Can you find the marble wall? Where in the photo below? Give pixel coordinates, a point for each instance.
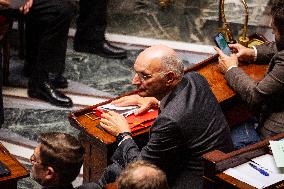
(183, 20)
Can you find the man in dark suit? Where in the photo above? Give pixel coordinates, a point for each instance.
(265, 96)
(47, 26)
(91, 26)
(57, 160)
(190, 122)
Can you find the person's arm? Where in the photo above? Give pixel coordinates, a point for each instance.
(265, 53)
(161, 148)
(253, 92)
(260, 54)
(226, 62)
(144, 103)
(244, 54)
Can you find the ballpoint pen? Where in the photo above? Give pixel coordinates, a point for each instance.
(259, 169)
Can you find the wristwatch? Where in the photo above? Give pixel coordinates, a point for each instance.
(121, 136)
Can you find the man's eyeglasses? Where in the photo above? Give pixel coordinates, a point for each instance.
(33, 160)
(143, 77)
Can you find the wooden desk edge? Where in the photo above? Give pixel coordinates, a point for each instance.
(24, 171)
(106, 140)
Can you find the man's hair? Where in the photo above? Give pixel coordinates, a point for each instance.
(64, 153)
(173, 63)
(277, 13)
(142, 175)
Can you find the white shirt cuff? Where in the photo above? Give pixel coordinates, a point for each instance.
(255, 53)
(231, 67)
(125, 138)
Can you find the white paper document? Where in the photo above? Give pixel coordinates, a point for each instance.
(260, 172)
(277, 148)
(123, 110)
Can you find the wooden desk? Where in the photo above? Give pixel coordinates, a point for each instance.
(18, 171)
(216, 162)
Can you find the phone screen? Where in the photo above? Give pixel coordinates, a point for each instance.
(222, 43)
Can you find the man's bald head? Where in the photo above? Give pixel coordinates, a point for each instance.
(142, 175)
(162, 57)
(157, 52)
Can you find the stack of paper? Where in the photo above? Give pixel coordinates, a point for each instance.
(253, 176)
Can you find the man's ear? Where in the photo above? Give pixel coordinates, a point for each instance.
(170, 77)
(50, 174)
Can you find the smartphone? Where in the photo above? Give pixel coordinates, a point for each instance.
(222, 44)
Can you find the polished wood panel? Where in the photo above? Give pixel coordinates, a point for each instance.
(208, 68)
(18, 171)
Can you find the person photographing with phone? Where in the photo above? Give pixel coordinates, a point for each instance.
(265, 96)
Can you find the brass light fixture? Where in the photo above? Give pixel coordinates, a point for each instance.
(225, 28)
(243, 38)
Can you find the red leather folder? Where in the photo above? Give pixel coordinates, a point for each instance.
(137, 122)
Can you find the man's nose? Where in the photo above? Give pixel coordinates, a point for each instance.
(136, 80)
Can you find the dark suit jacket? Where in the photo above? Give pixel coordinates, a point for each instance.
(190, 124)
(266, 96)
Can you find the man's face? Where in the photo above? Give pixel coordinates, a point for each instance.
(149, 78)
(38, 169)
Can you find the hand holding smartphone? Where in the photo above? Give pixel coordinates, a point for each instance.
(222, 44)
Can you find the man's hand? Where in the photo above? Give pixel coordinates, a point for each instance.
(114, 123)
(144, 103)
(243, 53)
(226, 62)
(26, 7)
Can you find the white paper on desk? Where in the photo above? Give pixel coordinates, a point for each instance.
(123, 110)
(247, 174)
(277, 148)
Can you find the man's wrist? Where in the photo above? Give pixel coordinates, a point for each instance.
(122, 136)
(254, 54)
(234, 66)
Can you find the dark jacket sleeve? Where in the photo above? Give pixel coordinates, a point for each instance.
(265, 52)
(162, 146)
(255, 93)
